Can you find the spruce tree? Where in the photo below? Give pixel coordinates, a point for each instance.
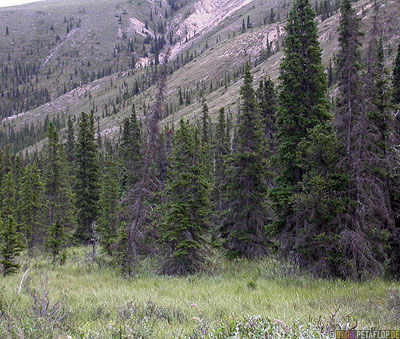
(56, 241)
(108, 204)
(130, 152)
(267, 102)
(11, 246)
(31, 204)
(122, 250)
(349, 65)
(8, 197)
(221, 153)
(206, 138)
(308, 197)
(185, 224)
(70, 144)
(7, 160)
(58, 190)
(384, 156)
(318, 205)
(303, 105)
(221, 150)
(244, 223)
(152, 172)
(87, 178)
(205, 124)
(362, 127)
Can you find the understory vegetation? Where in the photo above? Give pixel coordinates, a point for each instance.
(85, 299)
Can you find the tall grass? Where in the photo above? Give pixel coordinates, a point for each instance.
(96, 301)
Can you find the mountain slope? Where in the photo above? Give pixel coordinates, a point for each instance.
(209, 48)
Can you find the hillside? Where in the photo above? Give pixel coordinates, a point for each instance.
(99, 55)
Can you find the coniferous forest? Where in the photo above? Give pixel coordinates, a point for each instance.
(301, 186)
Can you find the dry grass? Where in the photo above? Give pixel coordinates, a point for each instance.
(98, 300)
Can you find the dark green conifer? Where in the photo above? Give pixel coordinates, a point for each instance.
(70, 145)
(349, 65)
(221, 153)
(308, 194)
(207, 138)
(130, 152)
(8, 197)
(303, 105)
(205, 124)
(108, 204)
(11, 246)
(185, 224)
(31, 204)
(87, 178)
(56, 241)
(122, 250)
(244, 223)
(58, 190)
(221, 149)
(267, 102)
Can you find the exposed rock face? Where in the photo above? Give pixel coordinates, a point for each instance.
(206, 15)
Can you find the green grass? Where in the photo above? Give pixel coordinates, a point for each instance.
(100, 302)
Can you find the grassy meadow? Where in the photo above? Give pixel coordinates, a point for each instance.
(239, 299)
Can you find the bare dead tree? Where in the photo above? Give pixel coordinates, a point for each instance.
(154, 156)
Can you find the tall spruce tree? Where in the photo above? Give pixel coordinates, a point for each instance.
(31, 204)
(87, 178)
(185, 222)
(130, 152)
(267, 102)
(11, 246)
(380, 154)
(303, 104)
(8, 197)
(349, 65)
(362, 126)
(245, 219)
(221, 151)
(59, 196)
(152, 172)
(70, 145)
(207, 138)
(108, 203)
(205, 124)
